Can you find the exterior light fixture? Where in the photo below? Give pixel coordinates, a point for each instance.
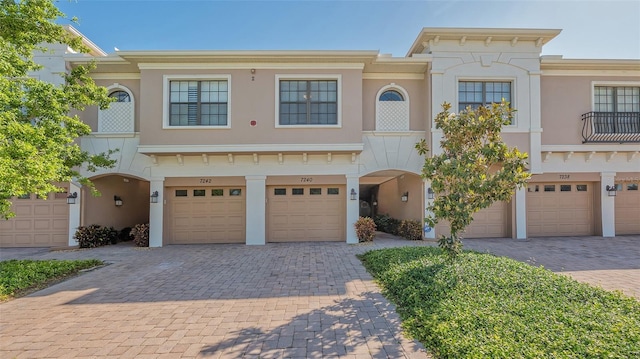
(71, 198)
(154, 197)
(611, 190)
(354, 195)
(430, 194)
(117, 200)
(405, 197)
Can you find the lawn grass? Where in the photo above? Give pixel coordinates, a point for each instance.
(18, 277)
(482, 306)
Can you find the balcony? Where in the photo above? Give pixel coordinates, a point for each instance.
(611, 127)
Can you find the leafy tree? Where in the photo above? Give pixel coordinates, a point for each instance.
(475, 169)
(37, 132)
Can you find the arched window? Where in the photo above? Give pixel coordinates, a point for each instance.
(119, 117)
(391, 95)
(392, 109)
(121, 96)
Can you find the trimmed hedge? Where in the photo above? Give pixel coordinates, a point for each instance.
(482, 306)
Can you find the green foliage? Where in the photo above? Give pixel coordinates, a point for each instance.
(37, 134)
(365, 229)
(140, 234)
(95, 236)
(475, 168)
(17, 276)
(387, 224)
(482, 306)
(410, 229)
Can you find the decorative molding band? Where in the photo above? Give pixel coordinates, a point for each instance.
(591, 148)
(252, 148)
(390, 133)
(114, 134)
(391, 76)
(248, 66)
(621, 73)
(116, 76)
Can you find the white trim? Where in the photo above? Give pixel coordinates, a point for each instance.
(622, 73)
(323, 147)
(393, 133)
(247, 66)
(607, 147)
(391, 76)
(113, 134)
(132, 111)
(166, 83)
(611, 84)
(116, 76)
(308, 77)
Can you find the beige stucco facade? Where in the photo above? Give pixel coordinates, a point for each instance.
(255, 180)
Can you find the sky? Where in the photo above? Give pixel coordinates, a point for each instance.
(604, 29)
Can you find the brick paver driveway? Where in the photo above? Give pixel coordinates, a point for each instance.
(300, 300)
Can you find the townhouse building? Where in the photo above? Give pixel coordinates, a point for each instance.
(276, 146)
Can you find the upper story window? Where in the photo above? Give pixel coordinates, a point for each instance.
(482, 93)
(120, 96)
(119, 117)
(616, 99)
(392, 109)
(198, 103)
(308, 102)
(391, 95)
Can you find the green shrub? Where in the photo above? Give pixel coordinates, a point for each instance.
(365, 229)
(140, 234)
(17, 276)
(482, 306)
(124, 235)
(95, 236)
(410, 229)
(387, 224)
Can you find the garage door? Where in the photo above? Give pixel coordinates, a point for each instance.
(490, 222)
(306, 213)
(560, 209)
(38, 222)
(628, 209)
(206, 215)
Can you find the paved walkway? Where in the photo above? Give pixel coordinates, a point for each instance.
(300, 300)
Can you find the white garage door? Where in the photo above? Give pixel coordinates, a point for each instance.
(560, 209)
(205, 215)
(490, 222)
(38, 222)
(306, 213)
(628, 209)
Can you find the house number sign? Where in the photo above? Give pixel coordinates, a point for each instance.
(306, 179)
(565, 176)
(205, 180)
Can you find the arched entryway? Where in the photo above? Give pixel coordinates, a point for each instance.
(396, 193)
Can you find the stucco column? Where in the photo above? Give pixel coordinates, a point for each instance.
(255, 220)
(535, 128)
(156, 213)
(74, 213)
(607, 204)
(353, 207)
(428, 232)
(521, 213)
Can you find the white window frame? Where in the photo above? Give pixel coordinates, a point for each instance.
(132, 111)
(166, 100)
(594, 84)
(512, 103)
(309, 77)
(405, 94)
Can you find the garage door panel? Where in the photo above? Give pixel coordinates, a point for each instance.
(627, 209)
(24, 239)
(42, 210)
(560, 213)
(41, 238)
(40, 224)
(206, 219)
(318, 217)
(22, 210)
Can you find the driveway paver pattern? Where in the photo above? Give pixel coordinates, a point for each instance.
(296, 300)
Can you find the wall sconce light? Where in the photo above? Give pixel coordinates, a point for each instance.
(405, 197)
(430, 194)
(354, 195)
(611, 190)
(71, 198)
(117, 200)
(154, 197)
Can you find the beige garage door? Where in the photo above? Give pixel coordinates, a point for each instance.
(628, 209)
(205, 215)
(38, 222)
(560, 209)
(490, 222)
(306, 213)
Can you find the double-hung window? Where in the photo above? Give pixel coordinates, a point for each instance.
(308, 102)
(482, 93)
(198, 102)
